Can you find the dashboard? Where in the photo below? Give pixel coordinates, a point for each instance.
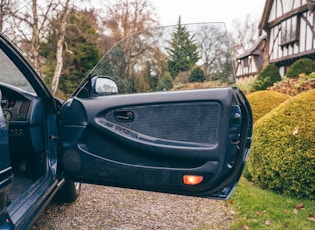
(24, 116)
(7, 103)
(15, 108)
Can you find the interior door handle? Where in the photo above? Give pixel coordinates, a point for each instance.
(124, 116)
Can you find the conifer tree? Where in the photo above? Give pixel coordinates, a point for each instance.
(183, 51)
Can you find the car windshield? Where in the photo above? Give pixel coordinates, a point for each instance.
(11, 75)
(170, 58)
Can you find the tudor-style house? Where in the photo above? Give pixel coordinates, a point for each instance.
(290, 29)
(250, 63)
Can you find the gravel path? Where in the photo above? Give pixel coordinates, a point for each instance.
(100, 207)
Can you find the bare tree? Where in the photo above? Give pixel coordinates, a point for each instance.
(7, 7)
(30, 20)
(35, 40)
(123, 18)
(126, 17)
(213, 47)
(4, 12)
(244, 36)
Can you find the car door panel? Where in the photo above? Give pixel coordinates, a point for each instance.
(151, 141)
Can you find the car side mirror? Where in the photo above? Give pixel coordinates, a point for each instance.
(103, 85)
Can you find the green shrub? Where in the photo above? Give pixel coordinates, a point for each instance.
(166, 83)
(283, 150)
(197, 75)
(264, 101)
(304, 65)
(269, 75)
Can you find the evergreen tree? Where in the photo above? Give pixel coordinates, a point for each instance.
(183, 51)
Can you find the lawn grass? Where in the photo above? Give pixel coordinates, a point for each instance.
(261, 209)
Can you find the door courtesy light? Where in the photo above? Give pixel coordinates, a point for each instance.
(192, 179)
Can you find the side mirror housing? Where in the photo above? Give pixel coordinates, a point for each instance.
(103, 85)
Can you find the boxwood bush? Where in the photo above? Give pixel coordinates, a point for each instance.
(303, 65)
(283, 150)
(269, 75)
(264, 101)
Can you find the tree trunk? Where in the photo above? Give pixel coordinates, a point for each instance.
(59, 64)
(59, 51)
(35, 40)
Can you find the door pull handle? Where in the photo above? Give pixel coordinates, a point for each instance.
(124, 116)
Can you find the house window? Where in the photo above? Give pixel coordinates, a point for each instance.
(245, 62)
(290, 31)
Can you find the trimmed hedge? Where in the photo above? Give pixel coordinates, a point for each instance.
(303, 65)
(267, 77)
(283, 150)
(262, 102)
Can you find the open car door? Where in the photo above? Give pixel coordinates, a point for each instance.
(191, 142)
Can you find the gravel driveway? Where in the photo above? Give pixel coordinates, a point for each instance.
(102, 207)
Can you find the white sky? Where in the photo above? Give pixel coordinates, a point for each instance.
(196, 11)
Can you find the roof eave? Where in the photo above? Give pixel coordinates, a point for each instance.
(265, 16)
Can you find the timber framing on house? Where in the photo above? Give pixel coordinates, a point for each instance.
(250, 63)
(289, 26)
